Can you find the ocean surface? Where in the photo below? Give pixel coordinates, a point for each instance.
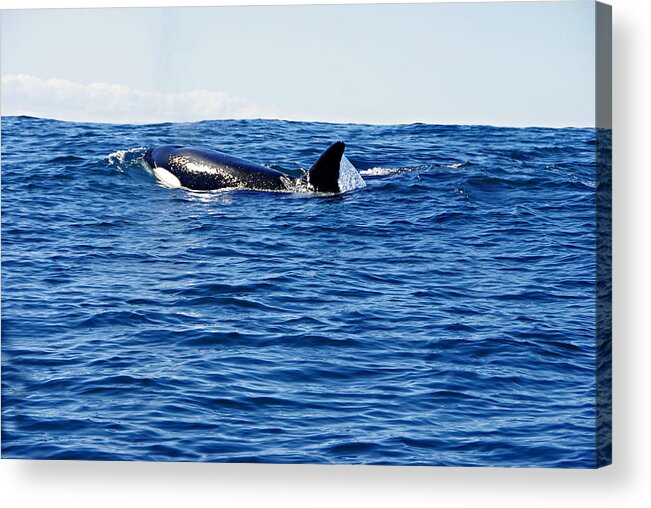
(440, 312)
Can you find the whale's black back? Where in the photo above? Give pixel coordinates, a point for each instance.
(206, 169)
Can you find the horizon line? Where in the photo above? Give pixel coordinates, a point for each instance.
(288, 120)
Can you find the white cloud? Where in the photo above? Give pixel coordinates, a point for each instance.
(23, 94)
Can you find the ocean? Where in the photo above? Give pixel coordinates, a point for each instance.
(441, 312)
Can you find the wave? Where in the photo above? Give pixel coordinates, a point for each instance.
(126, 158)
(379, 171)
(442, 314)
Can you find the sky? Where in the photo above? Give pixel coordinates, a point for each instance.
(512, 63)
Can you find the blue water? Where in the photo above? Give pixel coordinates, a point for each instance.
(444, 314)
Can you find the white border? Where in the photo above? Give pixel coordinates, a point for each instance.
(626, 483)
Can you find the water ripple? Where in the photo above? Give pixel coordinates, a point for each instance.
(443, 314)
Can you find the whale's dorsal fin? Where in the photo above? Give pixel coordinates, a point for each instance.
(324, 173)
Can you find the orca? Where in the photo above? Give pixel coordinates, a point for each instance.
(200, 169)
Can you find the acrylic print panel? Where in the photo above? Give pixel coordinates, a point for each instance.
(352, 234)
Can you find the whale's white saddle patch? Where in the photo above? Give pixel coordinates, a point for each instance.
(166, 178)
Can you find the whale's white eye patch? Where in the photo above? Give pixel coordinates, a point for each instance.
(166, 178)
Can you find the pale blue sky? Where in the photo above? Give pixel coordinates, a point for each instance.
(521, 63)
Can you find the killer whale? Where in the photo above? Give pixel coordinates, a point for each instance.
(200, 169)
